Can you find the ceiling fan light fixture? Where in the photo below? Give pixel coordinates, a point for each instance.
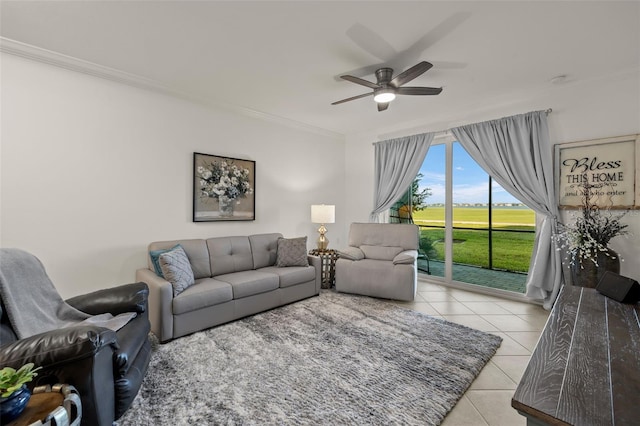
(384, 96)
(387, 87)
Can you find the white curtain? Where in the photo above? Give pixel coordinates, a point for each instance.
(397, 162)
(516, 152)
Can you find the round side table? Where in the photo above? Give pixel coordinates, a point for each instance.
(51, 405)
(328, 259)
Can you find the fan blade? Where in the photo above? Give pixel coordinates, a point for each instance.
(352, 98)
(418, 90)
(371, 42)
(410, 74)
(382, 106)
(360, 81)
(440, 31)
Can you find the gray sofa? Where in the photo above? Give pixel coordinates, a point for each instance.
(234, 277)
(380, 261)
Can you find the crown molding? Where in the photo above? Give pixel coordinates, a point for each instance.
(70, 63)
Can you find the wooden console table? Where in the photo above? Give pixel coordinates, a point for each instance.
(585, 369)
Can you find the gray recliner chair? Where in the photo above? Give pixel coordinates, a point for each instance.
(380, 261)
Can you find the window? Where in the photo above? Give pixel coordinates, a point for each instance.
(472, 230)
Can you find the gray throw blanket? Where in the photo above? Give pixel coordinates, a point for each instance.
(32, 303)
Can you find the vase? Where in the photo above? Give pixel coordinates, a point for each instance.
(13, 405)
(587, 274)
(225, 208)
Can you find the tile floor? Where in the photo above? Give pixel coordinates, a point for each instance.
(488, 400)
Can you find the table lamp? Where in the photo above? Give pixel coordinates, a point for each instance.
(321, 213)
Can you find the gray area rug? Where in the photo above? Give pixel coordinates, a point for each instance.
(328, 360)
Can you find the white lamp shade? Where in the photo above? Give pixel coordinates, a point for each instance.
(321, 213)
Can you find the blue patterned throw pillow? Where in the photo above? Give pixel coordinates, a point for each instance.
(176, 269)
(155, 258)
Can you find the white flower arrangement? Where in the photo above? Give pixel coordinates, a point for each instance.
(591, 233)
(224, 181)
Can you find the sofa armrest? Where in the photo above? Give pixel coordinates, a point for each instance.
(117, 300)
(351, 253)
(316, 262)
(407, 257)
(58, 347)
(81, 356)
(160, 303)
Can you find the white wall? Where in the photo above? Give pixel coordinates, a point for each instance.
(93, 170)
(581, 111)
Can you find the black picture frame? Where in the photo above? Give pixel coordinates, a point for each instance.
(223, 188)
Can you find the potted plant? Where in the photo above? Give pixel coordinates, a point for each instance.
(14, 393)
(586, 243)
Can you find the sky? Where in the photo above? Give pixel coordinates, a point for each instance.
(470, 182)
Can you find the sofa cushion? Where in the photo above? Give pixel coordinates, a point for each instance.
(263, 249)
(403, 235)
(176, 269)
(293, 275)
(229, 254)
(249, 283)
(380, 252)
(203, 293)
(197, 253)
(292, 252)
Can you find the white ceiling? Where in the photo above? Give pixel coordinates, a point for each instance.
(283, 58)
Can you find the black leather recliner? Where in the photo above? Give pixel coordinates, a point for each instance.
(105, 366)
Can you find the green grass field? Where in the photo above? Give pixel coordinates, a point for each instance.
(470, 217)
(511, 250)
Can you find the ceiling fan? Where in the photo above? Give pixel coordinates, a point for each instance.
(387, 86)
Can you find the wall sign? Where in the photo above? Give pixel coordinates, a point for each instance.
(610, 163)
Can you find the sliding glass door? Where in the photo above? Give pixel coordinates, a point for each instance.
(473, 231)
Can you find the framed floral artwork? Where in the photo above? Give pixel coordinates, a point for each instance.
(223, 188)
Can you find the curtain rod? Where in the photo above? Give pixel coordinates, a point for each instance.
(442, 133)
